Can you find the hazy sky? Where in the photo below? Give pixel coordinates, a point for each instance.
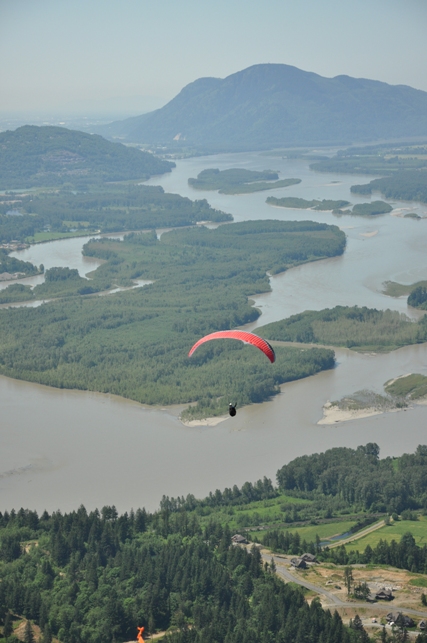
(135, 55)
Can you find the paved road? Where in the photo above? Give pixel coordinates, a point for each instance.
(332, 599)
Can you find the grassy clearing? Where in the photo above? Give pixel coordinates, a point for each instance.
(394, 289)
(413, 386)
(391, 532)
(324, 531)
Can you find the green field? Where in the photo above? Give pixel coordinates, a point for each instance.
(309, 532)
(391, 532)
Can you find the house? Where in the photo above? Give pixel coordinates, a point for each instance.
(309, 558)
(384, 595)
(299, 563)
(237, 539)
(422, 624)
(401, 620)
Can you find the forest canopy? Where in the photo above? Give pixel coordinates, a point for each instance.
(357, 328)
(135, 343)
(51, 156)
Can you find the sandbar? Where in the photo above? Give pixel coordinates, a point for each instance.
(369, 234)
(333, 414)
(205, 421)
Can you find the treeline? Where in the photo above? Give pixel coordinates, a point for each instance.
(51, 156)
(110, 209)
(358, 476)
(418, 298)
(404, 555)
(359, 328)
(11, 265)
(407, 185)
(91, 578)
(388, 159)
(135, 343)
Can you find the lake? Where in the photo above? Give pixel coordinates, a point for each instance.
(63, 448)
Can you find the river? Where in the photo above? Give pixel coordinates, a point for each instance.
(63, 448)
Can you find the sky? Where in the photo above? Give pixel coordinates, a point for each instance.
(131, 56)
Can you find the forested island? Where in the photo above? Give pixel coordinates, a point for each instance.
(135, 343)
(177, 573)
(358, 328)
(239, 181)
(361, 209)
(304, 204)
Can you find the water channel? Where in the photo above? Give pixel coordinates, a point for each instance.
(63, 448)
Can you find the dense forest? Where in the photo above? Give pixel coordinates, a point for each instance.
(12, 265)
(95, 577)
(87, 577)
(107, 209)
(51, 156)
(239, 181)
(135, 343)
(358, 328)
(406, 185)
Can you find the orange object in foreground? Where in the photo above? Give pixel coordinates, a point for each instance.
(140, 631)
(243, 336)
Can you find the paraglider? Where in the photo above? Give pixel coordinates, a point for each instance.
(243, 336)
(139, 637)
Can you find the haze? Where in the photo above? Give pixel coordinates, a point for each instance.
(122, 58)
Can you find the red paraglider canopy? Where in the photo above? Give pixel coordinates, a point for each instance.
(243, 336)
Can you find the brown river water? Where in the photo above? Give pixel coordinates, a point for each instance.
(61, 448)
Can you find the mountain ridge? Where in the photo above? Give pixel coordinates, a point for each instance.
(273, 105)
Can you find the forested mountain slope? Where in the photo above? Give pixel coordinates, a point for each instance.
(273, 105)
(49, 156)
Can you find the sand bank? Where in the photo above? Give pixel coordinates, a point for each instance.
(369, 234)
(205, 421)
(333, 414)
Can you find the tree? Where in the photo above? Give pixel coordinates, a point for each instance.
(8, 626)
(28, 633)
(348, 579)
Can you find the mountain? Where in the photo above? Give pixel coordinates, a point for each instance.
(50, 156)
(273, 105)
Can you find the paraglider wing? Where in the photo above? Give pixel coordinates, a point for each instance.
(243, 336)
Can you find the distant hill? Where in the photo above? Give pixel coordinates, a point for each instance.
(272, 105)
(49, 156)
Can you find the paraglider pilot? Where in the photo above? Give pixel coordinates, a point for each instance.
(232, 409)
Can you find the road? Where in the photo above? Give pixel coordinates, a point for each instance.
(331, 599)
(358, 535)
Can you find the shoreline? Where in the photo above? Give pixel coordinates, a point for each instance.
(213, 421)
(333, 414)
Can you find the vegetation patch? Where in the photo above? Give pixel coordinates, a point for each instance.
(411, 387)
(372, 209)
(304, 204)
(239, 181)
(135, 343)
(361, 329)
(113, 208)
